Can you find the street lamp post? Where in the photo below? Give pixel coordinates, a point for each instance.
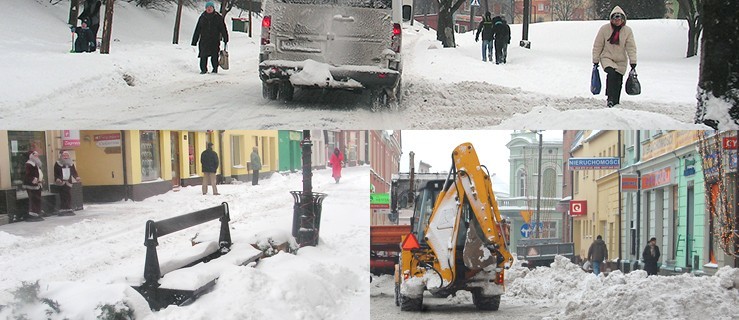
(538, 190)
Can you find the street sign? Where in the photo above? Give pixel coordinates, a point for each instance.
(379, 201)
(526, 230)
(578, 208)
(594, 163)
(629, 182)
(475, 3)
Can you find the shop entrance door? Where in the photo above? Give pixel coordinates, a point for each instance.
(175, 149)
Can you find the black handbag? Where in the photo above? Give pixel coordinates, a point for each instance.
(633, 87)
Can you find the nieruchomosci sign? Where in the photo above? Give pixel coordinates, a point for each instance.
(594, 163)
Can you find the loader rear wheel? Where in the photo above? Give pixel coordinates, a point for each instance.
(440, 294)
(409, 304)
(491, 303)
(397, 294)
(269, 91)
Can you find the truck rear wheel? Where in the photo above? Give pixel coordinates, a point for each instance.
(269, 91)
(379, 99)
(409, 304)
(287, 91)
(491, 303)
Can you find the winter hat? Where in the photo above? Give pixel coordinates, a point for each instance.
(209, 144)
(209, 4)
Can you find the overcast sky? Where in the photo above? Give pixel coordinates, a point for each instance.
(435, 148)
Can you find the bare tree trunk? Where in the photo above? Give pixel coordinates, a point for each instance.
(691, 11)
(74, 9)
(176, 35)
(718, 99)
(107, 27)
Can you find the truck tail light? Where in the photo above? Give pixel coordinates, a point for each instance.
(266, 27)
(395, 39)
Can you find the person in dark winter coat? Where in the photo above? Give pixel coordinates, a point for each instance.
(208, 34)
(91, 14)
(651, 256)
(33, 183)
(597, 253)
(256, 165)
(65, 175)
(336, 161)
(209, 161)
(85, 39)
(486, 27)
(502, 35)
(613, 47)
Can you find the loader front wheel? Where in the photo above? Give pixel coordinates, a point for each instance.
(397, 294)
(491, 303)
(410, 304)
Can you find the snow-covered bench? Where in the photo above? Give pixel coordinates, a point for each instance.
(181, 278)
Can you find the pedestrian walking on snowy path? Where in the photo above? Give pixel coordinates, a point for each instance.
(486, 27)
(209, 161)
(65, 175)
(256, 165)
(91, 15)
(209, 32)
(502, 35)
(33, 180)
(651, 256)
(614, 48)
(336, 162)
(597, 254)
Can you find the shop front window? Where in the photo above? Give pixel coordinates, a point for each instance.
(150, 165)
(20, 142)
(191, 156)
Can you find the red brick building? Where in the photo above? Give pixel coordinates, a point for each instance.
(385, 151)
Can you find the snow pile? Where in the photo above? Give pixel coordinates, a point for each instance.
(413, 287)
(273, 240)
(8, 240)
(718, 109)
(381, 282)
(619, 295)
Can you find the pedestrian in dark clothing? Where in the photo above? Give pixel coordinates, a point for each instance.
(65, 175)
(613, 48)
(91, 14)
(502, 35)
(209, 31)
(256, 165)
(486, 27)
(33, 183)
(597, 253)
(209, 161)
(651, 256)
(85, 39)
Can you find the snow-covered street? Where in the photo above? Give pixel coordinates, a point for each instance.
(147, 82)
(564, 291)
(87, 260)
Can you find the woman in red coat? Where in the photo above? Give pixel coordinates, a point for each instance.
(336, 161)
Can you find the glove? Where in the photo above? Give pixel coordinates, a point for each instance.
(194, 44)
(477, 39)
(595, 64)
(633, 66)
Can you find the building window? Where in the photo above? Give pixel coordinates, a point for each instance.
(150, 166)
(191, 156)
(20, 142)
(236, 150)
(550, 183)
(521, 183)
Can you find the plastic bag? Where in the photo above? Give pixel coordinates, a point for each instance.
(633, 87)
(595, 81)
(223, 59)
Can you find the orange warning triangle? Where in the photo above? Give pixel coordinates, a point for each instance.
(410, 243)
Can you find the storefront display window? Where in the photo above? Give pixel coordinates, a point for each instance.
(191, 152)
(20, 142)
(150, 162)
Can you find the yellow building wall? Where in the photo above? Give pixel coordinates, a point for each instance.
(5, 182)
(592, 225)
(607, 214)
(267, 140)
(94, 165)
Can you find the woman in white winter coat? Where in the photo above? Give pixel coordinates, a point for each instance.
(614, 48)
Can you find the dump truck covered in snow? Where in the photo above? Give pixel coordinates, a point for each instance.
(458, 239)
(331, 44)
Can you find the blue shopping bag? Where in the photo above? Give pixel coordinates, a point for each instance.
(595, 81)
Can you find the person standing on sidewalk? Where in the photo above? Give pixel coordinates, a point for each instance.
(33, 183)
(256, 165)
(65, 175)
(651, 256)
(209, 161)
(597, 253)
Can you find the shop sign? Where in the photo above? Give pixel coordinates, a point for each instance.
(710, 164)
(107, 140)
(594, 163)
(379, 200)
(629, 182)
(656, 179)
(668, 142)
(732, 161)
(689, 167)
(70, 138)
(729, 143)
(295, 136)
(578, 208)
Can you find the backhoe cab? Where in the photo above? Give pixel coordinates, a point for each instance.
(458, 243)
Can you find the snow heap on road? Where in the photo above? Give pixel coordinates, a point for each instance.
(618, 295)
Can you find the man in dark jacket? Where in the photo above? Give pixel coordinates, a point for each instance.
(209, 161)
(651, 256)
(91, 14)
(209, 31)
(486, 27)
(85, 39)
(597, 253)
(502, 34)
(33, 180)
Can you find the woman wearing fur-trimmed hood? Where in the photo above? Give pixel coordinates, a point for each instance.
(614, 48)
